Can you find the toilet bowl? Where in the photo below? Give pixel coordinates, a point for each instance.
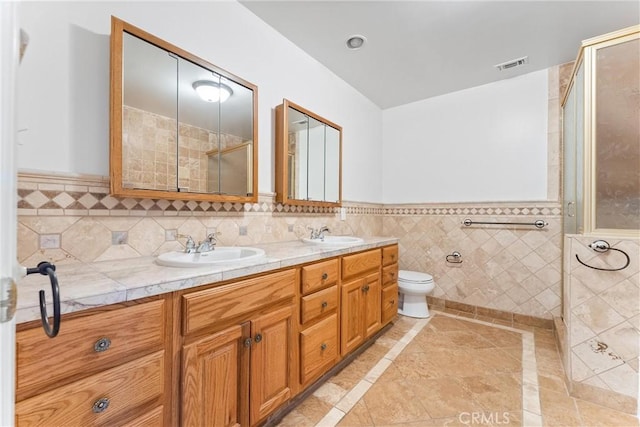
(413, 287)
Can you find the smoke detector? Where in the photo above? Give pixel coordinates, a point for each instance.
(513, 63)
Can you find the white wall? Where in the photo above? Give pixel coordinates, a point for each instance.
(63, 93)
(487, 143)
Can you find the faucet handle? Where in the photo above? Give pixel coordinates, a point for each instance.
(211, 237)
(190, 244)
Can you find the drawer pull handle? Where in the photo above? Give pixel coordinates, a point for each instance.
(325, 304)
(101, 345)
(258, 338)
(100, 405)
(325, 276)
(323, 346)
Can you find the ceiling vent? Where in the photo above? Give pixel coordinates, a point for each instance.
(513, 63)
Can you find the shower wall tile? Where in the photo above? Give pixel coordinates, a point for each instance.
(603, 314)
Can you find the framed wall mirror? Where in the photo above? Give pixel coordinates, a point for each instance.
(308, 157)
(181, 128)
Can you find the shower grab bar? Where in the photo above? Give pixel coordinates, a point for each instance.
(603, 246)
(538, 224)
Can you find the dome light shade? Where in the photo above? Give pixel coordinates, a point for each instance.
(211, 91)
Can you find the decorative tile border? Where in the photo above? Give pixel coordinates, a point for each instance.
(479, 209)
(78, 195)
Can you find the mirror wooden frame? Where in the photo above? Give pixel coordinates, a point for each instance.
(118, 28)
(283, 163)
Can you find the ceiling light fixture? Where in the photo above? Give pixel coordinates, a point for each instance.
(356, 42)
(211, 91)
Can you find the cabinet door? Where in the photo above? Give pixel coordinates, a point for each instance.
(352, 315)
(272, 335)
(214, 380)
(371, 303)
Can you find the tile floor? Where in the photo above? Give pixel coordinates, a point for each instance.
(453, 371)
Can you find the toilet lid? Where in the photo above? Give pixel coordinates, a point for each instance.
(414, 276)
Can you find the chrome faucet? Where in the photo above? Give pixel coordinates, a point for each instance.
(319, 233)
(323, 229)
(208, 244)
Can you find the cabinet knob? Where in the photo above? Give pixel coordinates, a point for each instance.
(392, 302)
(323, 346)
(365, 288)
(100, 405)
(101, 345)
(325, 304)
(325, 276)
(247, 342)
(258, 338)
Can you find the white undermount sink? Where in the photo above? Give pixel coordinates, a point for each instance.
(334, 240)
(220, 255)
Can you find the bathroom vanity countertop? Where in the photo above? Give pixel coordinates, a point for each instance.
(89, 285)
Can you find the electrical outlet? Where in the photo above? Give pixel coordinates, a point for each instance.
(343, 214)
(242, 230)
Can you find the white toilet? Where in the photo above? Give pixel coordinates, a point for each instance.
(413, 288)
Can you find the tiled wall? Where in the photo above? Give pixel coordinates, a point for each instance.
(508, 268)
(71, 219)
(604, 318)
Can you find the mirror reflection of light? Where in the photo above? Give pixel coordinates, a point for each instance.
(211, 91)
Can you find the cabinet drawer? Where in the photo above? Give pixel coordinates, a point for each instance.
(318, 304)
(319, 276)
(389, 303)
(389, 274)
(203, 308)
(318, 348)
(87, 344)
(153, 418)
(390, 255)
(118, 390)
(355, 265)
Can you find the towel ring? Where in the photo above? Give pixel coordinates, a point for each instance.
(603, 246)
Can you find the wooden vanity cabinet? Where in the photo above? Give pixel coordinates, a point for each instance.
(360, 298)
(319, 322)
(238, 345)
(107, 366)
(389, 283)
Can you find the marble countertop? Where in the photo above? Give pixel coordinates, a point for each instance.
(89, 285)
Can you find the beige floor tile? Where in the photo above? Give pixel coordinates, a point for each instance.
(552, 382)
(443, 397)
(445, 323)
(296, 419)
(357, 417)
(455, 368)
(558, 409)
(393, 403)
(313, 409)
(495, 393)
(468, 339)
(492, 361)
(501, 337)
(598, 416)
